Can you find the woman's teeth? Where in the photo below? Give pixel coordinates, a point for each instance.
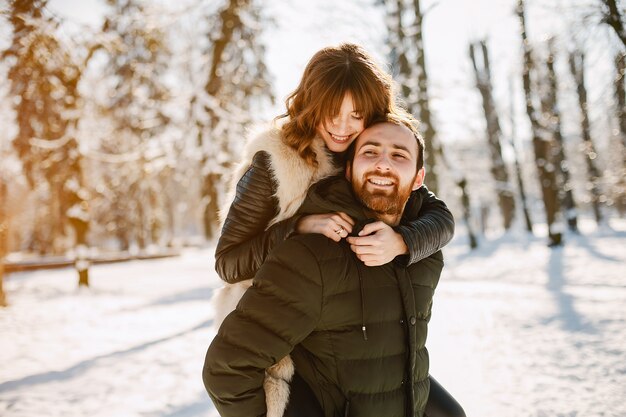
(339, 138)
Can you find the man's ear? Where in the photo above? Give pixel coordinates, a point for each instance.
(419, 179)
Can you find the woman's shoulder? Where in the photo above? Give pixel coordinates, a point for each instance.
(266, 137)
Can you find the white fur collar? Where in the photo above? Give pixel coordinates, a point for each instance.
(293, 175)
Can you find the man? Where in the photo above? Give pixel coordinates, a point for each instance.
(356, 334)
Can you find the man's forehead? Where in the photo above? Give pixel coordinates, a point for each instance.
(388, 134)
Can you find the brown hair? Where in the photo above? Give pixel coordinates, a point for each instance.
(330, 74)
(403, 118)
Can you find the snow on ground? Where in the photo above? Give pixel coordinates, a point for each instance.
(518, 329)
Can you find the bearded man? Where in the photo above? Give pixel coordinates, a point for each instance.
(356, 334)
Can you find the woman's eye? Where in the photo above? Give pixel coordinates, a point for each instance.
(357, 117)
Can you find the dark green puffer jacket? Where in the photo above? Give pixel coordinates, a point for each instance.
(356, 334)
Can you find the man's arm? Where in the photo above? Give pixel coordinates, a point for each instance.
(428, 231)
(276, 313)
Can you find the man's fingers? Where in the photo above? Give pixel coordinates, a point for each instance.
(372, 228)
(363, 241)
(370, 260)
(365, 250)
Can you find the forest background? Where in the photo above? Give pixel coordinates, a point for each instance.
(121, 120)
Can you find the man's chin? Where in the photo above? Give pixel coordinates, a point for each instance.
(380, 192)
(381, 204)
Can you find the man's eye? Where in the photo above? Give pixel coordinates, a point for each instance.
(399, 156)
(369, 153)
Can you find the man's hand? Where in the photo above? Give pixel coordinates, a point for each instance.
(377, 244)
(334, 226)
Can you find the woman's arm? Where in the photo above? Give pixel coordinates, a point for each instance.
(244, 243)
(426, 227)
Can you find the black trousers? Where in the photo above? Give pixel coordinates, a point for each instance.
(302, 401)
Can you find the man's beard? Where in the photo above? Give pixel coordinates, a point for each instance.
(390, 202)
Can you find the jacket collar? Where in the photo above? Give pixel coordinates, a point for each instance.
(335, 194)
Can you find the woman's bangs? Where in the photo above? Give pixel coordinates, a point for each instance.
(329, 104)
(365, 98)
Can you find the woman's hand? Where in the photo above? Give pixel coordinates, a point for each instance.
(334, 226)
(377, 244)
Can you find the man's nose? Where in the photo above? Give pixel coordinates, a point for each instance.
(383, 162)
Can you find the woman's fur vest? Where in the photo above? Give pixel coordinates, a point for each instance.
(293, 176)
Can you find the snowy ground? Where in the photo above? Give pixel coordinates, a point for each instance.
(518, 330)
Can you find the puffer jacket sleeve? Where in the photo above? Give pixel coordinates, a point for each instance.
(427, 226)
(245, 240)
(272, 317)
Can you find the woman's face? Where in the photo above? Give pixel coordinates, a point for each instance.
(339, 131)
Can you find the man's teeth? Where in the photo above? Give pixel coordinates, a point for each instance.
(340, 138)
(381, 182)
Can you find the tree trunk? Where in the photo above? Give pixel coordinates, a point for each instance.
(462, 184)
(4, 232)
(77, 211)
(620, 96)
(613, 18)
(211, 208)
(494, 133)
(577, 68)
(395, 10)
(551, 108)
(230, 22)
(518, 168)
(541, 143)
(423, 104)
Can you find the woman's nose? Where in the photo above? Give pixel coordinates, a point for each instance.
(341, 123)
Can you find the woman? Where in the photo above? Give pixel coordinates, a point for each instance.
(342, 91)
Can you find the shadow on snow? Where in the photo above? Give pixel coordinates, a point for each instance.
(86, 365)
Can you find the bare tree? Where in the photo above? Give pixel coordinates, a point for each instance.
(620, 95)
(4, 229)
(424, 114)
(498, 168)
(541, 139)
(613, 17)
(620, 99)
(577, 68)
(414, 81)
(552, 117)
(397, 41)
(516, 159)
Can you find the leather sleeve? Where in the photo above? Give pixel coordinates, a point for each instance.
(427, 226)
(272, 317)
(244, 242)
